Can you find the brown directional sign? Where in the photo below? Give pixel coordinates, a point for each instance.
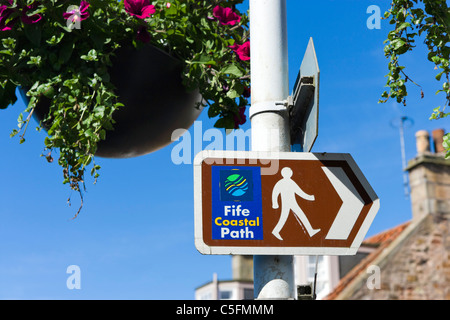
(280, 203)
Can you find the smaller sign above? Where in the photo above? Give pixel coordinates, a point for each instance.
(304, 111)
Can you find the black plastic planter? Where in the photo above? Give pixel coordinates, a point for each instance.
(149, 84)
(156, 103)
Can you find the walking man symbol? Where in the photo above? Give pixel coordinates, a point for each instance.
(287, 189)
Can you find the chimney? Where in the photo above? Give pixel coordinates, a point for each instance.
(429, 177)
(215, 282)
(438, 139)
(242, 268)
(422, 142)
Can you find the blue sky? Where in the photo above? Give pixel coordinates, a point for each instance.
(134, 238)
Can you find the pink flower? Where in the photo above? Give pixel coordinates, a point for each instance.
(143, 35)
(243, 50)
(80, 13)
(247, 92)
(240, 118)
(139, 8)
(5, 12)
(30, 19)
(226, 16)
(4, 15)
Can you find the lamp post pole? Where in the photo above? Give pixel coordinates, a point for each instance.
(273, 275)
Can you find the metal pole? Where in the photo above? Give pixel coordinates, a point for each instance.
(401, 125)
(273, 275)
(402, 145)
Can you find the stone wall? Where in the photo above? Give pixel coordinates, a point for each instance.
(418, 269)
(429, 177)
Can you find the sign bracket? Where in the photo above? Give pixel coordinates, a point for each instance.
(299, 104)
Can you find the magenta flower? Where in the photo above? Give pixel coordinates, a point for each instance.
(139, 8)
(30, 19)
(226, 16)
(5, 12)
(80, 13)
(240, 118)
(4, 15)
(242, 51)
(247, 92)
(143, 35)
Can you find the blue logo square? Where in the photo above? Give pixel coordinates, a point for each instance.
(236, 185)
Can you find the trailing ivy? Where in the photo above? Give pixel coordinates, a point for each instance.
(412, 19)
(58, 52)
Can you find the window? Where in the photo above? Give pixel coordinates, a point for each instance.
(225, 295)
(248, 294)
(205, 296)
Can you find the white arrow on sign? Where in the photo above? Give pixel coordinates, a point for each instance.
(351, 207)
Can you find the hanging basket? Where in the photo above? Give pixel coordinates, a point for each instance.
(149, 84)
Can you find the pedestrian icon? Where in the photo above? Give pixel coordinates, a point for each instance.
(286, 189)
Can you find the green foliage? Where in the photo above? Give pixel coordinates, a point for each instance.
(68, 67)
(412, 19)
(446, 144)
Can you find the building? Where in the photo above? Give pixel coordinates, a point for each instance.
(239, 288)
(409, 261)
(412, 260)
